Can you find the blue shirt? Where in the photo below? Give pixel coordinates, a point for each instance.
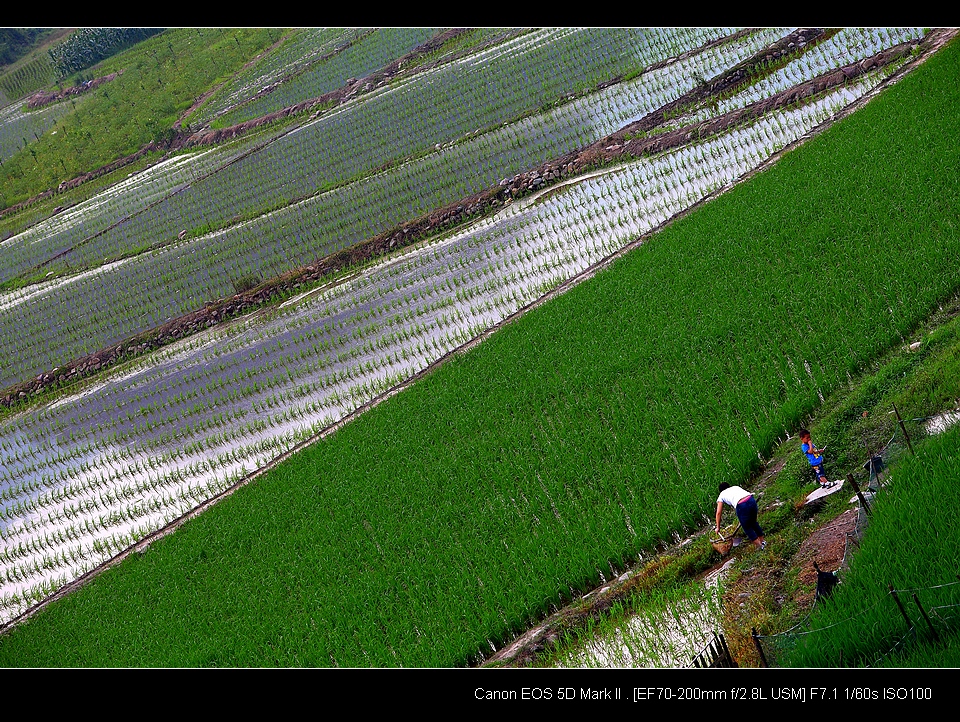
(812, 458)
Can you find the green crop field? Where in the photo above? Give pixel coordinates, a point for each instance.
(509, 476)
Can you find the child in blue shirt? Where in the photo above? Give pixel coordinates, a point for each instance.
(815, 457)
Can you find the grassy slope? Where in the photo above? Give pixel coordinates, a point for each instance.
(440, 475)
(910, 544)
(34, 69)
(920, 381)
(140, 106)
(857, 421)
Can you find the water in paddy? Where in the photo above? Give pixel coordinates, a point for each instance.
(178, 276)
(86, 476)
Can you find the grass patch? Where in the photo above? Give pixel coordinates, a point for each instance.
(140, 106)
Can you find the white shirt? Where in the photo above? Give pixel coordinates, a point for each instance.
(733, 495)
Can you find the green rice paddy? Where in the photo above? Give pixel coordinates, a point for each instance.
(445, 520)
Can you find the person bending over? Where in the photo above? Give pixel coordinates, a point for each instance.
(745, 505)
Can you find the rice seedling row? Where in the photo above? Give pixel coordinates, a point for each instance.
(25, 79)
(19, 128)
(300, 163)
(157, 89)
(671, 630)
(847, 46)
(299, 50)
(226, 278)
(177, 288)
(374, 50)
(182, 427)
(38, 245)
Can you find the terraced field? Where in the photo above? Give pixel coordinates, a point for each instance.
(405, 222)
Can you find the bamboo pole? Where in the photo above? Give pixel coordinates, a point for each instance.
(893, 593)
(904, 430)
(756, 642)
(923, 613)
(860, 496)
(726, 650)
